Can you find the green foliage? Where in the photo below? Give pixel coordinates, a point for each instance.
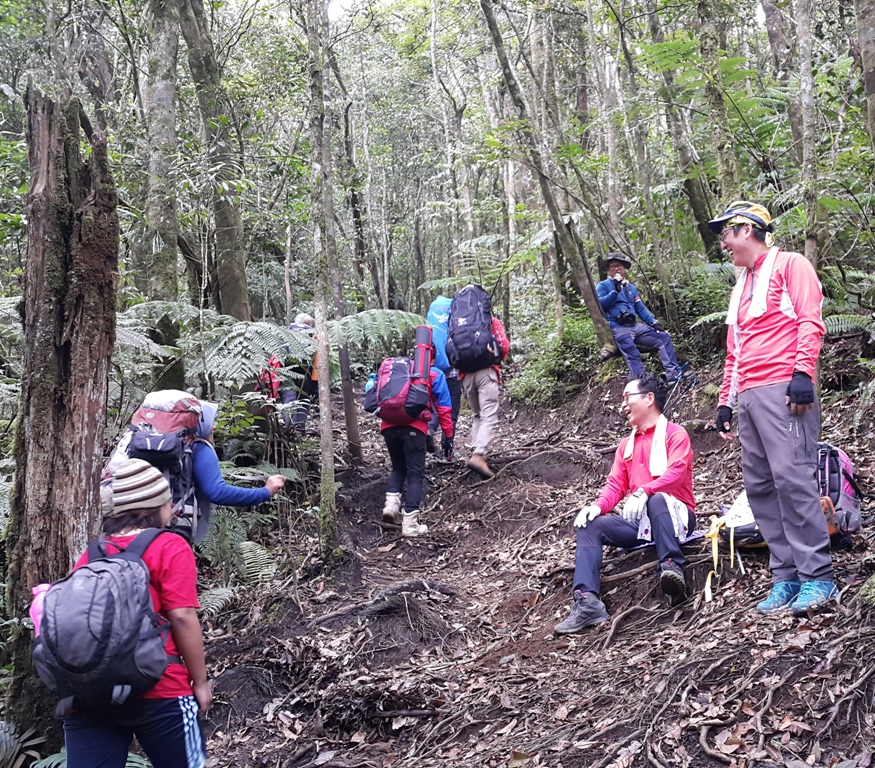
(59, 760)
(558, 368)
(16, 748)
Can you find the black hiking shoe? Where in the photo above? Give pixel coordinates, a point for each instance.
(587, 611)
(672, 582)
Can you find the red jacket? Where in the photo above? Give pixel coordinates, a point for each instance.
(628, 476)
(787, 337)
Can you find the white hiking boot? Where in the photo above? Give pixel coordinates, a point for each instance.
(392, 509)
(410, 525)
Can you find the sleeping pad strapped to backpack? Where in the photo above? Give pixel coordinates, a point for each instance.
(402, 393)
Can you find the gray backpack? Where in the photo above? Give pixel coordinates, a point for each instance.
(100, 639)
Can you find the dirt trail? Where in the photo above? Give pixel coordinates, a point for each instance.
(440, 651)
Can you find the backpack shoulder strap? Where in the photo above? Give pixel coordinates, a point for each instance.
(141, 543)
(97, 548)
(852, 480)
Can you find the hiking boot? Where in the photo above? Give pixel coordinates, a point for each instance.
(671, 580)
(587, 611)
(783, 593)
(392, 509)
(410, 526)
(813, 594)
(478, 463)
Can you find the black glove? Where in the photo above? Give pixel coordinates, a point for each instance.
(657, 327)
(447, 447)
(618, 283)
(724, 416)
(800, 390)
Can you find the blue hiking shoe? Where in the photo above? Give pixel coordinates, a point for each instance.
(813, 594)
(783, 593)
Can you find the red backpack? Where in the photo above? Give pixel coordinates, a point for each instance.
(163, 432)
(403, 389)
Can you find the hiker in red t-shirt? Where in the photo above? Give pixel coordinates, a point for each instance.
(653, 471)
(165, 719)
(775, 333)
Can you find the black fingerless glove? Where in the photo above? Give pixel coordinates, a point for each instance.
(657, 327)
(800, 390)
(724, 417)
(618, 284)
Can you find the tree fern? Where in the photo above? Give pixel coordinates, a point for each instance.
(219, 546)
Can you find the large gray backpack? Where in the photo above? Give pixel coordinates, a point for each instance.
(100, 639)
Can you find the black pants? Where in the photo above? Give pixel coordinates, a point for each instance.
(406, 446)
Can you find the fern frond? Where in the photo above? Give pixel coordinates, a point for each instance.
(714, 317)
(256, 562)
(838, 324)
(227, 529)
(719, 269)
(373, 327)
(214, 601)
(129, 337)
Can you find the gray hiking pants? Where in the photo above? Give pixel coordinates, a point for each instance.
(481, 392)
(778, 460)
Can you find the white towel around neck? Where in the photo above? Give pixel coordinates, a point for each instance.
(760, 289)
(658, 450)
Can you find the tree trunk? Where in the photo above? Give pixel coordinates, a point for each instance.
(782, 54)
(866, 33)
(230, 257)
(724, 148)
(163, 227)
(809, 140)
(565, 237)
(317, 34)
(695, 180)
(69, 314)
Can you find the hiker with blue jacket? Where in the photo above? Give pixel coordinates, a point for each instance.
(438, 318)
(652, 475)
(210, 486)
(622, 305)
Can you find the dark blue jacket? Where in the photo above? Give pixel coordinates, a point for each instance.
(614, 302)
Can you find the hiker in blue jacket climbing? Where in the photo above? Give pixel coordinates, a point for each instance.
(210, 486)
(622, 305)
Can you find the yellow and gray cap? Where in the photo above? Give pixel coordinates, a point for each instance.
(743, 212)
(136, 484)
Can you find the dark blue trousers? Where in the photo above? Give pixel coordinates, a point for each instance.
(626, 337)
(167, 729)
(617, 532)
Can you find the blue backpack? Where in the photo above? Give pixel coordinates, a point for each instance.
(438, 318)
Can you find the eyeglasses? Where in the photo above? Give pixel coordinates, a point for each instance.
(627, 395)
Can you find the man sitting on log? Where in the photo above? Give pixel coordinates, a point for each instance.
(654, 466)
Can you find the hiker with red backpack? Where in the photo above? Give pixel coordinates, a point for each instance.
(404, 396)
(301, 388)
(653, 471)
(117, 680)
(773, 341)
(173, 431)
(476, 347)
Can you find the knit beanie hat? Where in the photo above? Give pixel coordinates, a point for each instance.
(136, 484)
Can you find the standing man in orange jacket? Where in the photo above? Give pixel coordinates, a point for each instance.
(775, 334)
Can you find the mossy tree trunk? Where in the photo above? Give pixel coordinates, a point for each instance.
(69, 314)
